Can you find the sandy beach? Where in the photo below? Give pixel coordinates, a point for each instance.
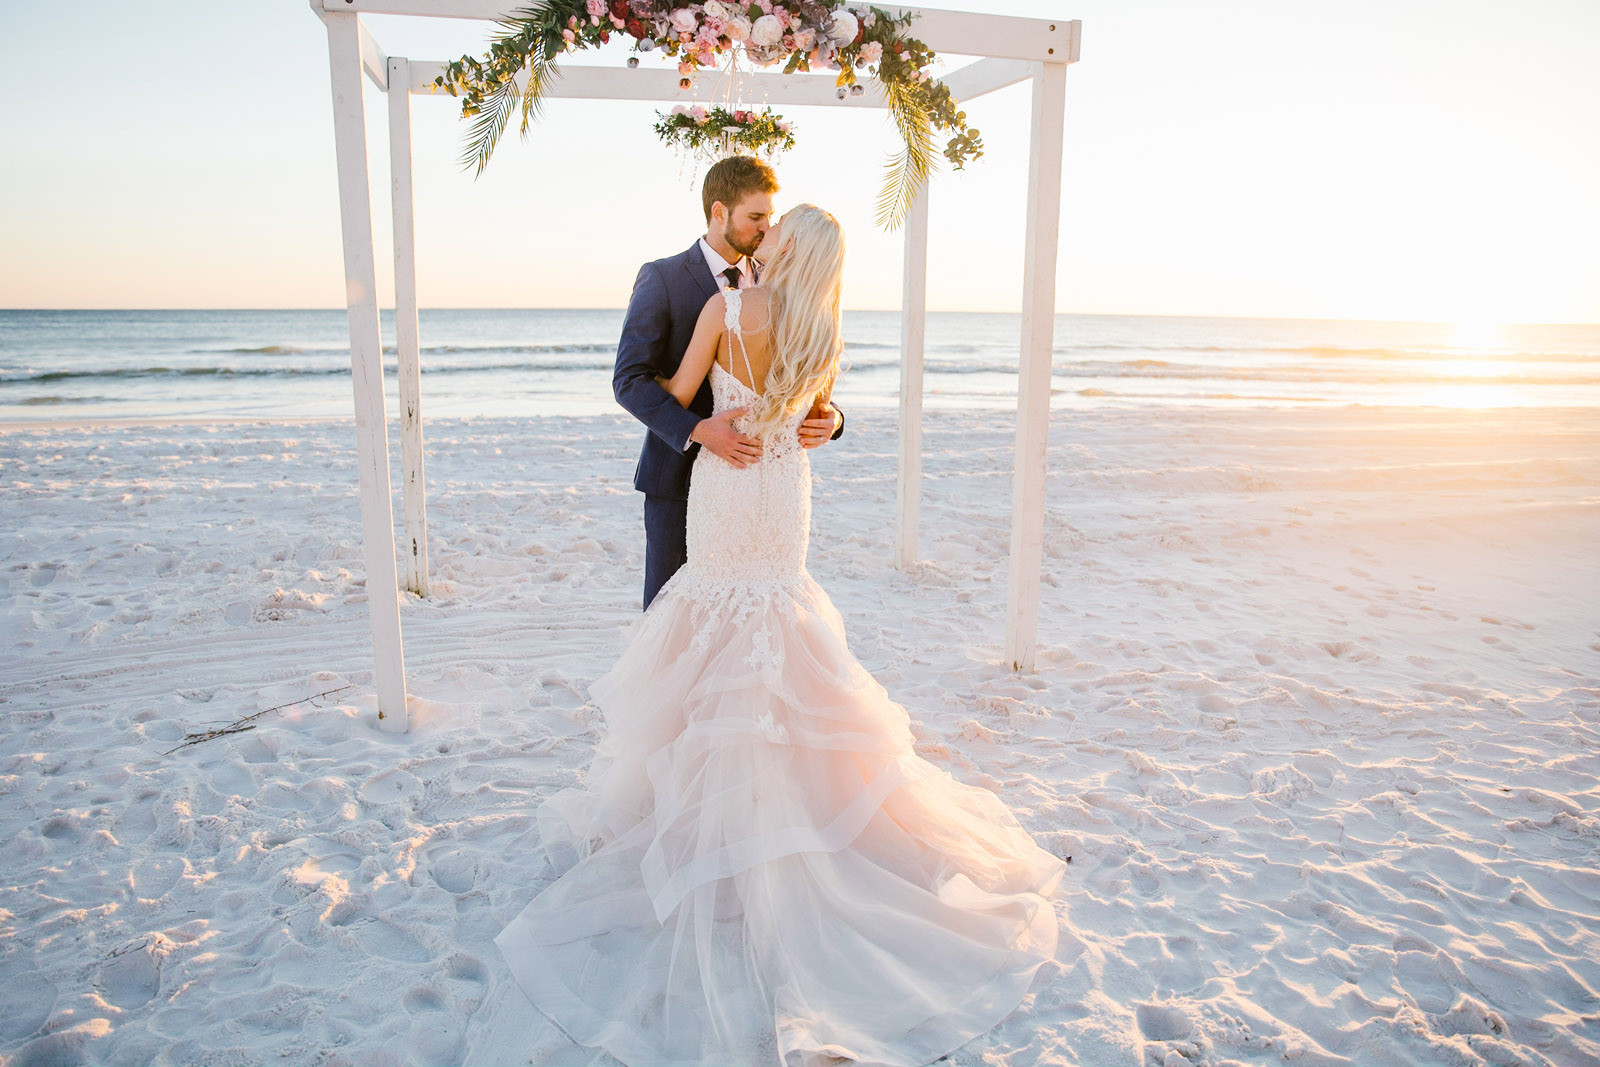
(1317, 719)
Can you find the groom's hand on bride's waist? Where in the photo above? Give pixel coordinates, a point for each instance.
(724, 441)
(819, 426)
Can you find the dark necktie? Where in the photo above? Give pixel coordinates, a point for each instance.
(732, 274)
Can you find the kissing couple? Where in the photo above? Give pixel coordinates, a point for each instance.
(757, 867)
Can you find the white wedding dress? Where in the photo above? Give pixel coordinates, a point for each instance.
(759, 869)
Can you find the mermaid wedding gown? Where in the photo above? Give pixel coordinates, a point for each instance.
(759, 868)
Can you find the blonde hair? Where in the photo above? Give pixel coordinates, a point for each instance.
(803, 282)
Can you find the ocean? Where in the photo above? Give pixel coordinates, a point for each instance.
(96, 365)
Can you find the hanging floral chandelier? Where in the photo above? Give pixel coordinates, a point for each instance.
(857, 41)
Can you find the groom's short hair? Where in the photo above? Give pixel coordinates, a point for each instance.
(731, 180)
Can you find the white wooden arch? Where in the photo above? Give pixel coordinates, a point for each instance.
(1010, 50)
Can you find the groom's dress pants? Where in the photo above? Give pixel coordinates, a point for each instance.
(666, 524)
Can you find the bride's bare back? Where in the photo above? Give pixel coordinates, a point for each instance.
(755, 330)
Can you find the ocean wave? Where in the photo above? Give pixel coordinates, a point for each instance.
(115, 373)
(426, 350)
(1390, 352)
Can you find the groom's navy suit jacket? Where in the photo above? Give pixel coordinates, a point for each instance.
(668, 296)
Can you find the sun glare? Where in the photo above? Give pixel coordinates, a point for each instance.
(1476, 334)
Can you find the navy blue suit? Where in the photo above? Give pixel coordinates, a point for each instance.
(668, 296)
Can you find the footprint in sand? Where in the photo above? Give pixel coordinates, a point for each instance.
(380, 938)
(454, 871)
(422, 999)
(28, 1000)
(132, 976)
(1163, 1022)
(465, 968)
(154, 875)
(391, 787)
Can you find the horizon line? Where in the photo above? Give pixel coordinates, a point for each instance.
(891, 310)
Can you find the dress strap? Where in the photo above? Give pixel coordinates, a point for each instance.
(735, 336)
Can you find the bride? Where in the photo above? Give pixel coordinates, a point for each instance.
(759, 868)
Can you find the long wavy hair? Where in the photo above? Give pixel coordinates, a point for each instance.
(802, 279)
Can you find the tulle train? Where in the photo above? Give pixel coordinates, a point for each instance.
(760, 867)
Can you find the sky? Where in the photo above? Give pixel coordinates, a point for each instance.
(1432, 160)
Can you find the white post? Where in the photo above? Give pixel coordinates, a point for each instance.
(1033, 378)
(366, 366)
(412, 483)
(913, 328)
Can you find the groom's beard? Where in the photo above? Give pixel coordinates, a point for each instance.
(743, 249)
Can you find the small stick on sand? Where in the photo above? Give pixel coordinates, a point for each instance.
(239, 726)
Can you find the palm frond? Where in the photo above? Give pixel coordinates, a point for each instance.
(489, 125)
(541, 72)
(498, 103)
(909, 170)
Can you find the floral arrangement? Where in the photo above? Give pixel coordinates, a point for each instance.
(719, 130)
(855, 40)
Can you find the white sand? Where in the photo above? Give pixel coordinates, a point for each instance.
(1316, 718)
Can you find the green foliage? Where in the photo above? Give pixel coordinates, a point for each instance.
(756, 132)
(532, 38)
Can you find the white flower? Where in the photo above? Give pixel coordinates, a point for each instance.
(717, 10)
(684, 21)
(766, 32)
(805, 40)
(844, 27)
(872, 51)
(738, 28)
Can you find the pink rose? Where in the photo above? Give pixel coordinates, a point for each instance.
(872, 51)
(738, 28)
(568, 36)
(741, 116)
(805, 40)
(698, 113)
(596, 7)
(765, 5)
(679, 109)
(684, 20)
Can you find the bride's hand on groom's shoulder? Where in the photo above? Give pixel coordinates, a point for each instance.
(718, 435)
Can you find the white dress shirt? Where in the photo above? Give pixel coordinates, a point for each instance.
(718, 265)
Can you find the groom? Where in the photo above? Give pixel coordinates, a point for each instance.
(668, 296)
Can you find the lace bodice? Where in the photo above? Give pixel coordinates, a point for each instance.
(748, 528)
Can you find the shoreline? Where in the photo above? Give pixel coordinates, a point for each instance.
(1056, 414)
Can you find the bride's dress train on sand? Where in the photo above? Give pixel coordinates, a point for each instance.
(759, 868)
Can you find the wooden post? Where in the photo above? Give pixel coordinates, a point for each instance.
(366, 366)
(913, 329)
(413, 485)
(1033, 378)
